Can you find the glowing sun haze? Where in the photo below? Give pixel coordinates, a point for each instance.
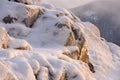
(67, 3)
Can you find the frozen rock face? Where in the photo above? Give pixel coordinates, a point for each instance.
(4, 38)
(64, 29)
(48, 43)
(32, 14)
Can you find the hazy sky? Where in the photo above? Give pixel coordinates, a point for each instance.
(68, 3)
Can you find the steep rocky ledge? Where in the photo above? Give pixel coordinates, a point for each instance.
(41, 42)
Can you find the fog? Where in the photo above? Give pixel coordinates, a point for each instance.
(67, 3)
(105, 14)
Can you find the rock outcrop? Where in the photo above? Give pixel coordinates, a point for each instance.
(64, 29)
(9, 19)
(4, 38)
(41, 42)
(7, 42)
(27, 14)
(33, 12)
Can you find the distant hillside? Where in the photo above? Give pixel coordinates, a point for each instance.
(67, 3)
(104, 14)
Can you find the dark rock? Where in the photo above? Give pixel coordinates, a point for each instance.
(75, 33)
(61, 14)
(60, 25)
(91, 67)
(9, 19)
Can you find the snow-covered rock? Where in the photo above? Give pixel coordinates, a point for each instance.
(4, 38)
(32, 14)
(17, 30)
(5, 73)
(53, 44)
(21, 44)
(43, 74)
(11, 11)
(26, 14)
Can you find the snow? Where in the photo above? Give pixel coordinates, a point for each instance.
(12, 9)
(34, 62)
(101, 54)
(21, 44)
(39, 36)
(112, 47)
(35, 66)
(43, 59)
(17, 30)
(21, 68)
(42, 75)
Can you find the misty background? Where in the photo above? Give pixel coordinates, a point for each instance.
(67, 3)
(105, 14)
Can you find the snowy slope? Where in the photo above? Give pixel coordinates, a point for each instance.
(104, 14)
(56, 46)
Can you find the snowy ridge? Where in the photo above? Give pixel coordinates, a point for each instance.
(41, 42)
(99, 13)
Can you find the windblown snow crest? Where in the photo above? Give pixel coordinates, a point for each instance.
(42, 42)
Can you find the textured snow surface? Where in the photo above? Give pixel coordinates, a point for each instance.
(37, 53)
(102, 55)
